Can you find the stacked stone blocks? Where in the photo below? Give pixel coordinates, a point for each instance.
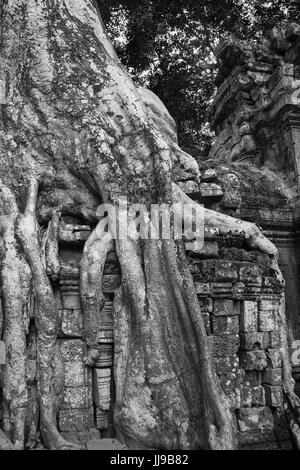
(240, 306)
(87, 398)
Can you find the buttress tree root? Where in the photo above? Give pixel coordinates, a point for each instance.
(46, 320)
(76, 132)
(13, 269)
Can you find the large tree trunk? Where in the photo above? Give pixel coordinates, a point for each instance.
(75, 131)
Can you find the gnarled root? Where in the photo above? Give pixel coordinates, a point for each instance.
(91, 270)
(50, 248)
(226, 224)
(217, 422)
(14, 387)
(256, 240)
(167, 393)
(46, 322)
(168, 353)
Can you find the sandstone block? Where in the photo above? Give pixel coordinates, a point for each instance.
(255, 418)
(69, 272)
(252, 293)
(226, 271)
(73, 420)
(272, 377)
(206, 304)
(202, 288)
(272, 340)
(231, 386)
(252, 396)
(221, 290)
(252, 378)
(226, 307)
(224, 345)
(249, 317)
(256, 440)
(226, 365)
(72, 323)
(251, 341)
(266, 321)
(228, 325)
(75, 374)
(274, 359)
(269, 304)
(253, 360)
(274, 395)
(250, 274)
(75, 398)
(70, 297)
(73, 350)
(220, 271)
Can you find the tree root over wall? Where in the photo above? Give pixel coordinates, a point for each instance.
(75, 122)
(164, 372)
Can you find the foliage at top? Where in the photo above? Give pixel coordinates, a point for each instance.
(168, 45)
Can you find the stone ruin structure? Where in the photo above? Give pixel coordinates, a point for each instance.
(86, 403)
(253, 173)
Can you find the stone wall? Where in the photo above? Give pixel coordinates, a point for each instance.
(86, 396)
(256, 154)
(239, 298)
(252, 173)
(87, 404)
